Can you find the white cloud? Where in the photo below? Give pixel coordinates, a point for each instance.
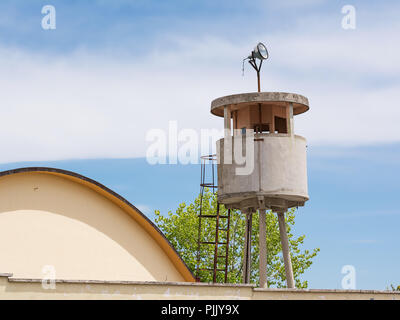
(88, 105)
(145, 209)
(296, 3)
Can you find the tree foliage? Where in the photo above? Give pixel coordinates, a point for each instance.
(181, 229)
(393, 288)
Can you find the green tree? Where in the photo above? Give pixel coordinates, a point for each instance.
(181, 229)
(395, 288)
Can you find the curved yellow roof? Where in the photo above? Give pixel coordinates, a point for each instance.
(127, 207)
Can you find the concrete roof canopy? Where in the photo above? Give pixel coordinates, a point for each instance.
(237, 101)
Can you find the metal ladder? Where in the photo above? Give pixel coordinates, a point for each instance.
(210, 160)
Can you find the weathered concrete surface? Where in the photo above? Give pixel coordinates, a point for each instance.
(17, 288)
(286, 251)
(262, 240)
(300, 103)
(279, 174)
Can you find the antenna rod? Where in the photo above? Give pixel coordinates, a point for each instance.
(260, 52)
(252, 61)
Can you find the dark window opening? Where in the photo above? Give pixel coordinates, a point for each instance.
(264, 128)
(280, 125)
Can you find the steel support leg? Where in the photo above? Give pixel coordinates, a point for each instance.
(247, 249)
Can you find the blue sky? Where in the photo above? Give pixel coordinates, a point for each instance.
(82, 97)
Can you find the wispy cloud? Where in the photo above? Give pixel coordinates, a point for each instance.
(145, 209)
(90, 103)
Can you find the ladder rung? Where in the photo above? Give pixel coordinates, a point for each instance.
(211, 242)
(212, 269)
(211, 216)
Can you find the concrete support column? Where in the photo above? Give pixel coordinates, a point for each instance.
(247, 248)
(227, 121)
(289, 120)
(263, 248)
(285, 250)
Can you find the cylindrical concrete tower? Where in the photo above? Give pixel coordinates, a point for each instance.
(262, 163)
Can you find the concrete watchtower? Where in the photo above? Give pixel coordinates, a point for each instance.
(278, 179)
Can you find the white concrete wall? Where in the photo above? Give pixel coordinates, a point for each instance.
(281, 171)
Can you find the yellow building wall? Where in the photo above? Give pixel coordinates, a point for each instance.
(49, 220)
(14, 288)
